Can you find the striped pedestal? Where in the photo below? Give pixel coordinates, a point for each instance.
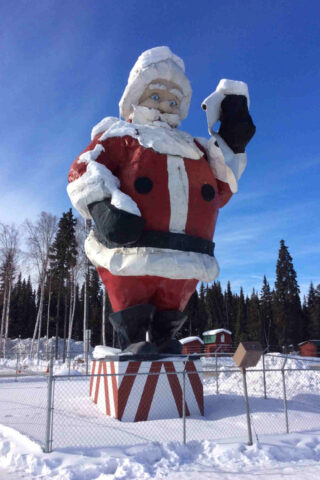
(134, 391)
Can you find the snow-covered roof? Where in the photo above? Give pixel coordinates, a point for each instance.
(218, 330)
(190, 339)
(308, 341)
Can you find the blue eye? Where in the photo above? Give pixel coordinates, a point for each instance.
(155, 97)
(173, 103)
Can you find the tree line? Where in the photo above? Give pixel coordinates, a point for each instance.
(67, 298)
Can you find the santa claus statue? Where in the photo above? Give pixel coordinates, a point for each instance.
(154, 194)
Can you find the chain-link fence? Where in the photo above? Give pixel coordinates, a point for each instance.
(57, 411)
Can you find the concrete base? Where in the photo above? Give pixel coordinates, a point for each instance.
(135, 391)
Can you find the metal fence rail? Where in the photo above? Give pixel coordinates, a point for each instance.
(56, 410)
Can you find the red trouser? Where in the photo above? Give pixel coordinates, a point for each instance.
(163, 293)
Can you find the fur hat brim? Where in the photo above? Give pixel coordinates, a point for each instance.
(154, 64)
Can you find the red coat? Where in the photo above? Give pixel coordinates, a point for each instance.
(181, 194)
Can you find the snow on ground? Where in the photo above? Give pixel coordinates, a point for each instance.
(90, 446)
(285, 456)
(19, 361)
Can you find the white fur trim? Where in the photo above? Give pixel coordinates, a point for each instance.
(178, 185)
(91, 155)
(157, 262)
(176, 92)
(156, 55)
(102, 126)
(225, 164)
(233, 87)
(168, 141)
(124, 202)
(157, 86)
(212, 104)
(96, 184)
(203, 141)
(153, 64)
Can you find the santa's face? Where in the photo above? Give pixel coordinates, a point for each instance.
(162, 95)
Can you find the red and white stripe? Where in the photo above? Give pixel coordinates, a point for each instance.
(128, 396)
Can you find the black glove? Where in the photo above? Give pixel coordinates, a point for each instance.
(114, 226)
(236, 127)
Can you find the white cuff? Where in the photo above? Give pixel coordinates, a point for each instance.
(94, 185)
(226, 165)
(212, 104)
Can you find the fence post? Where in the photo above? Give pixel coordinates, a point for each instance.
(87, 349)
(69, 362)
(17, 367)
(247, 404)
(264, 373)
(217, 376)
(184, 403)
(49, 420)
(285, 394)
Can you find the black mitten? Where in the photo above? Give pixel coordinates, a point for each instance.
(115, 226)
(236, 127)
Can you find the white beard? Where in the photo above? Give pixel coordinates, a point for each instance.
(146, 116)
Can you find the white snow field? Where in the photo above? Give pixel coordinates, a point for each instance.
(87, 445)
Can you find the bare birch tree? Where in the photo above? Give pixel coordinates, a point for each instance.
(77, 272)
(40, 236)
(9, 239)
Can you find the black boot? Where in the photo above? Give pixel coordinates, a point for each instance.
(164, 326)
(131, 326)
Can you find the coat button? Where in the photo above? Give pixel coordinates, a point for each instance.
(143, 185)
(207, 192)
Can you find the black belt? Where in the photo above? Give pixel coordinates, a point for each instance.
(169, 240)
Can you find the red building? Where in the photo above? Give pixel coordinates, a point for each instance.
(217, 338)
(192, 345)
(310, 348)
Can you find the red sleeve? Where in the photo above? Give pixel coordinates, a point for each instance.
(110, 155)
(224, 193)
(223, 188)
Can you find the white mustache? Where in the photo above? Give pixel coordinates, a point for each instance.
(143, 115)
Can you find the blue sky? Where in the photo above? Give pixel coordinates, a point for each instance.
(64, 66)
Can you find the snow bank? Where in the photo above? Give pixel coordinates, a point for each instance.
(160, 461)
(296, 454)
(19, 357)
(22, 346)
(101, 351)
(303, 378)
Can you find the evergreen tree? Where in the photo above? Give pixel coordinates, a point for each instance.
(305, 333)
(229, 308)
(191, 311)
(202, 320)
(313, 310)
(23, 309)
(62, 260)
(254, 324)
(16, 309)
(215, 306)
(269, 338)
(288, 314)
(209, 307)
(317, 292)
(78, 317)
(241, 318)
(196, 321)
(95, 306)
